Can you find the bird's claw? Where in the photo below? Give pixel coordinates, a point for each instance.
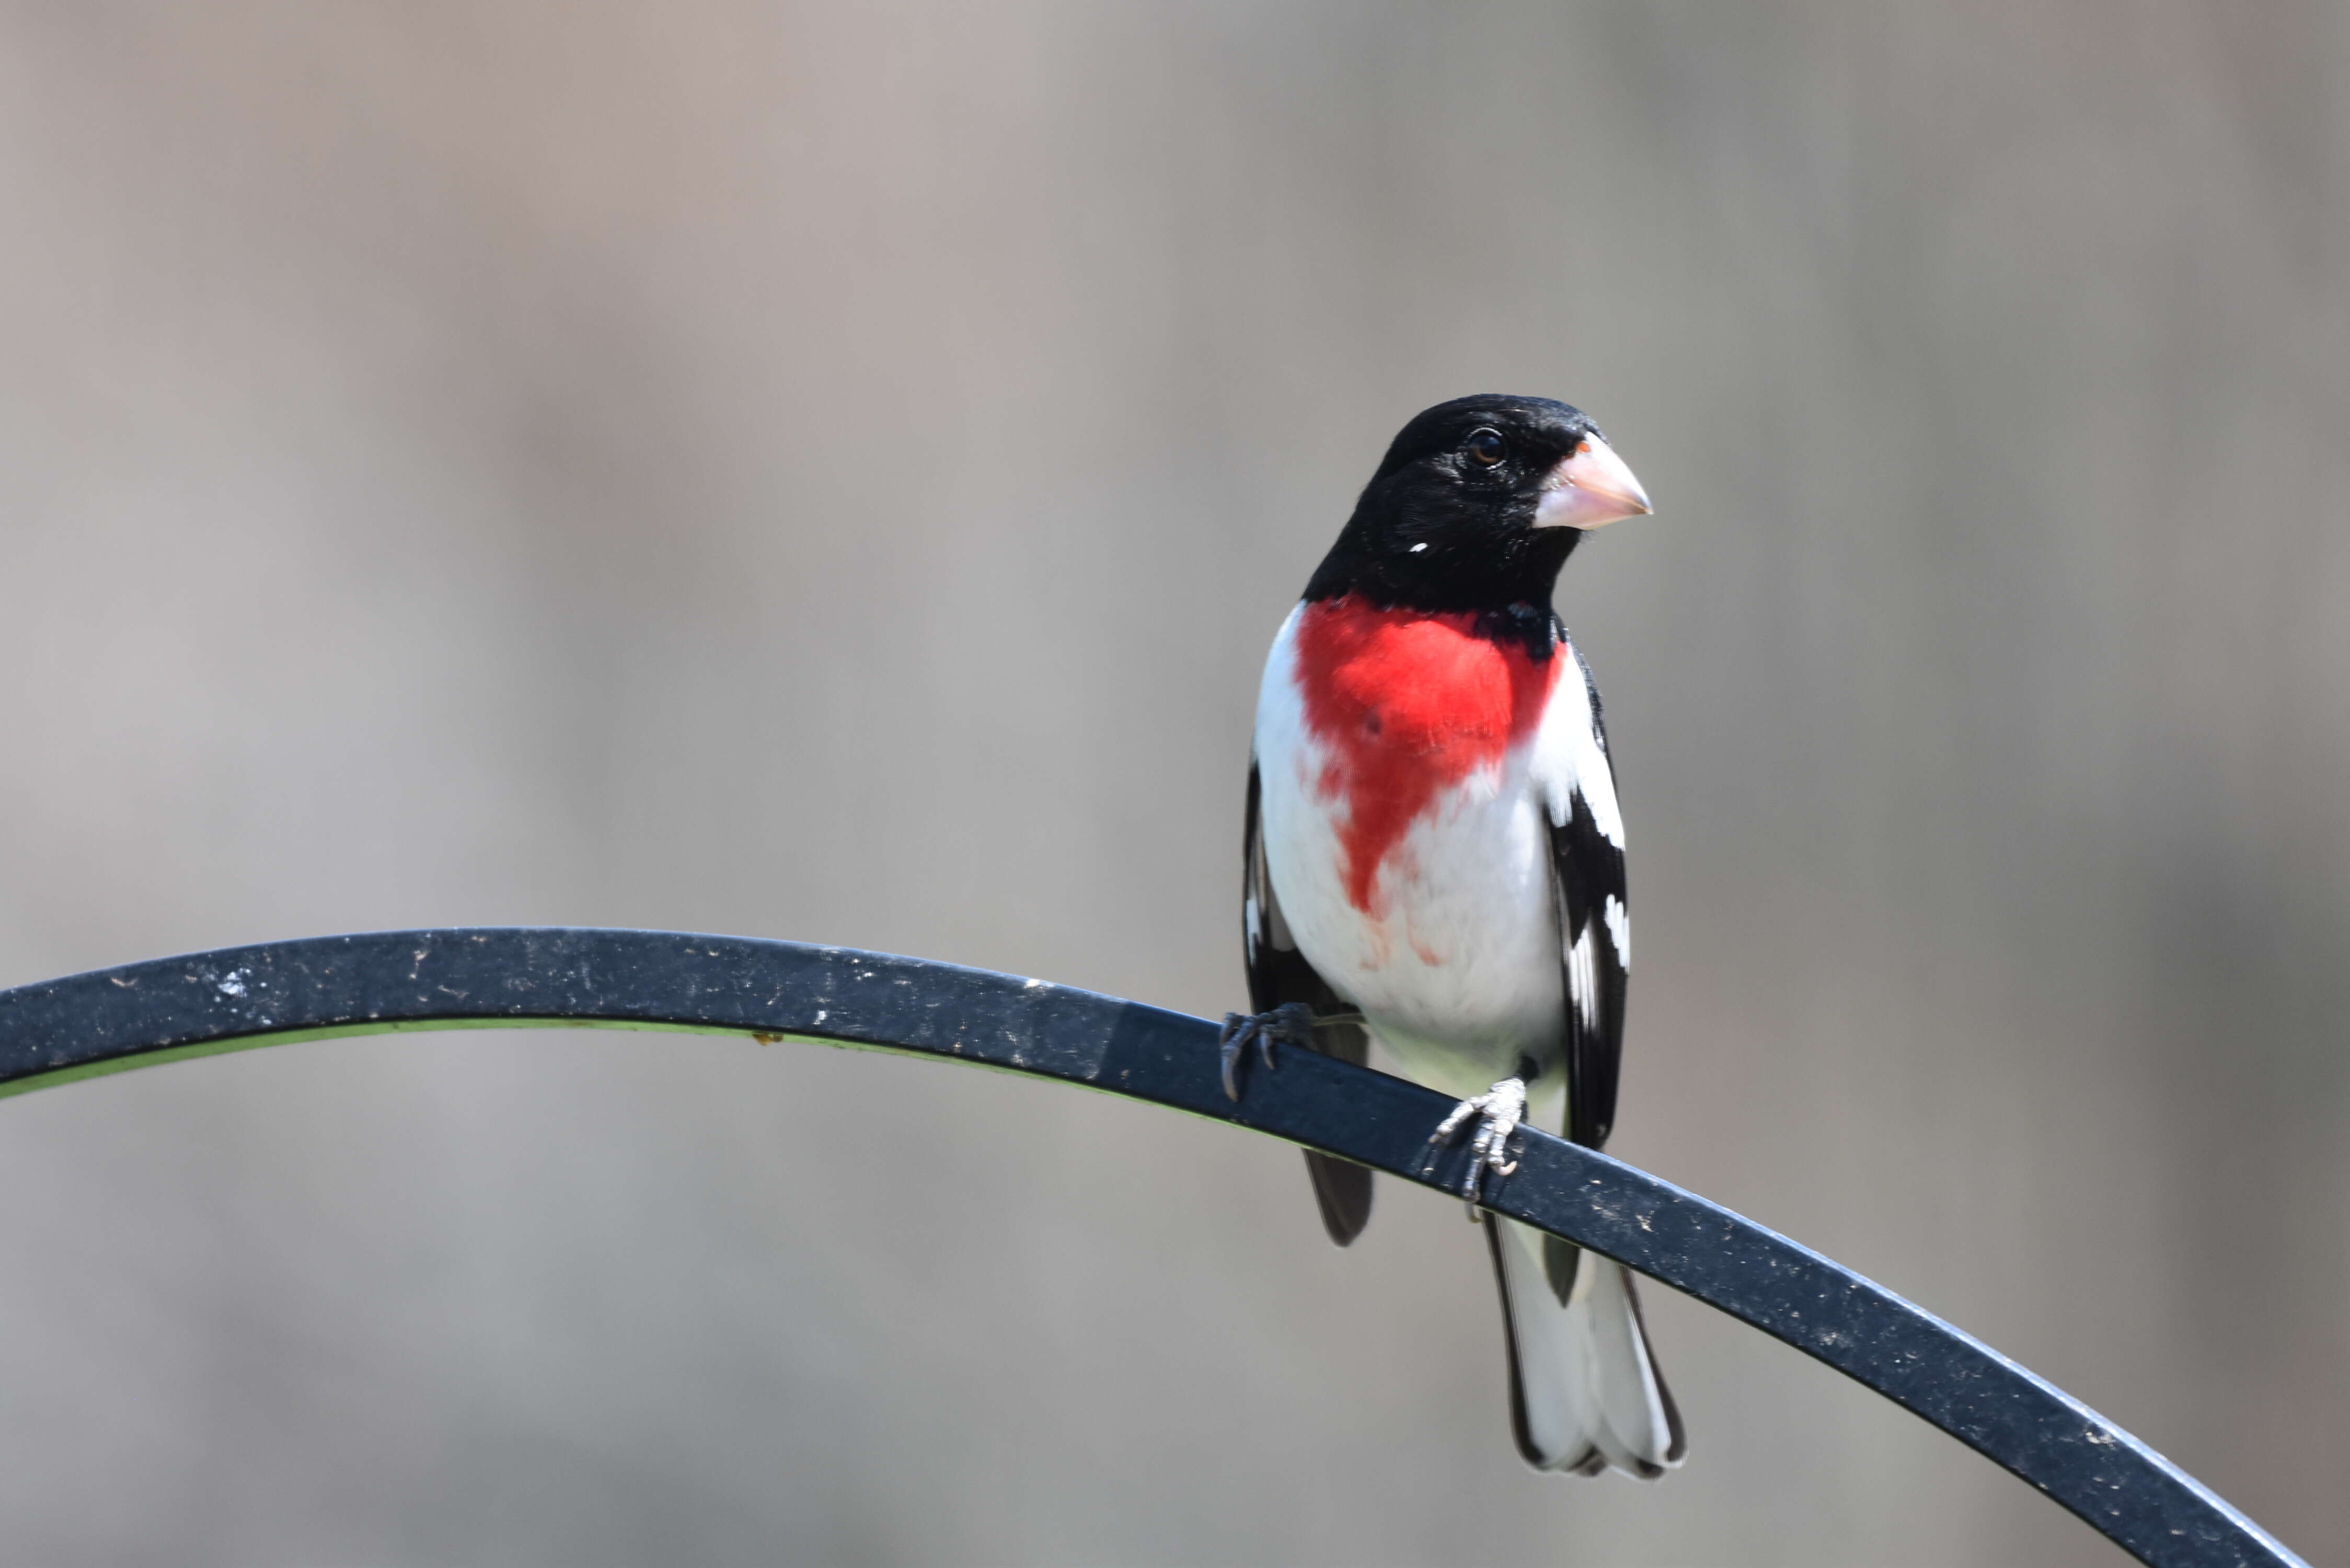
(1497, 1111)
(1291, 1023)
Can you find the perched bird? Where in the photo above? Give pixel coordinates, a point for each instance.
(1435, 860)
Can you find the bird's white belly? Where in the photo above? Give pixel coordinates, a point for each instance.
(1454, 958)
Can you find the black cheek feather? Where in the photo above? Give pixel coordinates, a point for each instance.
(1437, 531)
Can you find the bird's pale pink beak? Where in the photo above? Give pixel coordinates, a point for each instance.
(1591, 488)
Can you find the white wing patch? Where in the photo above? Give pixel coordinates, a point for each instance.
(1619, 929)
(1576, 764)
(1582, 978)
(1595, 781)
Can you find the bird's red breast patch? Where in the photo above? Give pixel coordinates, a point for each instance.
(1407, 704)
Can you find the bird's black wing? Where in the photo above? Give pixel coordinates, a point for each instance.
(1596, 942)
(1278, 974)
(1594, 930)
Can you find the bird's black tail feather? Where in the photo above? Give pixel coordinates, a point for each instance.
(1342, 1187)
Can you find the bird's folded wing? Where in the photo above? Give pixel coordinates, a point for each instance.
(1587, 841)
(1279, 973)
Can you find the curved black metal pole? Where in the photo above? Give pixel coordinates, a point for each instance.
(238, 998)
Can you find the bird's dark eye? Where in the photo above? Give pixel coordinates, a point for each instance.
(1485, 447)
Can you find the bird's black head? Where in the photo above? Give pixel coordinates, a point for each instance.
(1477, 505)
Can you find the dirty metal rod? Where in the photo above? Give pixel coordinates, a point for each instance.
(237, 998)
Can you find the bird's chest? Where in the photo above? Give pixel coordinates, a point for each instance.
(1405, 840)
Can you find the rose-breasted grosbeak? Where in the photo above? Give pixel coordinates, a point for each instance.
(1435, 860)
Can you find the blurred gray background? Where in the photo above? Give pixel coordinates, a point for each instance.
(831, 471)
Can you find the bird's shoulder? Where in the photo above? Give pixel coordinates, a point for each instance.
(1570, 750)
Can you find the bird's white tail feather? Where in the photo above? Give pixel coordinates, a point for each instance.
(1585, 1396)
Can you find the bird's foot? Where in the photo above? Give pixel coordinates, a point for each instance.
(1291, 1023)
(1497, 1112)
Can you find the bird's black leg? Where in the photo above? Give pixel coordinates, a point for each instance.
(1290, 1024)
